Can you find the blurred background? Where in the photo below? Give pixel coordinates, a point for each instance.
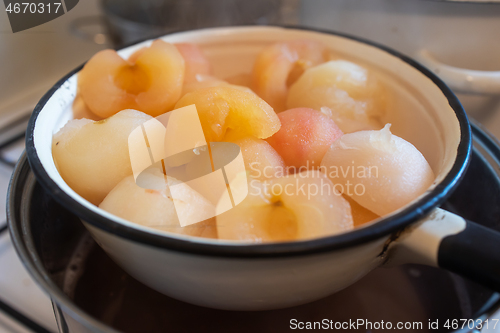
(463, 34)
(459, 40)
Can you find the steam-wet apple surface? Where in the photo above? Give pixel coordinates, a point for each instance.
(380, 170)
(286, 209)
(304, 137)
(229, 107)
(195, 61)
(93, 156)
(280, 64)
(262, 161)
(151, 82)
(351, 95)
(309, 125)
(152, 204)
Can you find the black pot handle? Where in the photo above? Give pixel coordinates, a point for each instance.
(473, 253)
(448, 241)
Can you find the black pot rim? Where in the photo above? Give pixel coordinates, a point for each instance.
(20, 233)
(382, 228)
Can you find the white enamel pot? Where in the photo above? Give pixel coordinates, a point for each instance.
(230, 275)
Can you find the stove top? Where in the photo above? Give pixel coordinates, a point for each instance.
(409, 293)
(24, 307)
(37, 58)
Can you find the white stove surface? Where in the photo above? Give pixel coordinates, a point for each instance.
(17, 289)
(37, 58)
(21, 292)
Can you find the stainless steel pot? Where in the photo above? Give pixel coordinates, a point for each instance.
(130, 21)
